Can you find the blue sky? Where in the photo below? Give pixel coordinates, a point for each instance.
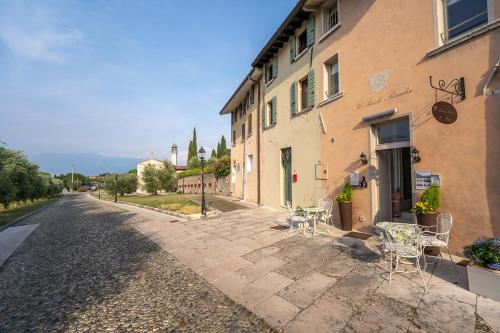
(124, 78)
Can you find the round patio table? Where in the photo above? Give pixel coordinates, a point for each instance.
(315, 212)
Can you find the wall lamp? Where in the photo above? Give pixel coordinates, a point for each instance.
(415, 155)
(363, 158)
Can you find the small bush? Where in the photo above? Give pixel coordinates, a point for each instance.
(346, 194)
(430, 201)
(484, 252)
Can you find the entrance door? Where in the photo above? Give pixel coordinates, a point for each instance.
(286, 172)
(395, 194)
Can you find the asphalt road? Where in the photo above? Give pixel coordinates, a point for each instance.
(86, 269)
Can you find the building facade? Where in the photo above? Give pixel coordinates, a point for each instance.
(405, 93)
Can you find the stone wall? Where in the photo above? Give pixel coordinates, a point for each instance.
(192, 185)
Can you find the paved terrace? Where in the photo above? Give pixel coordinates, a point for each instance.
(323, 284)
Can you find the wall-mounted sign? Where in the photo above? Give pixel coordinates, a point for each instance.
(389, 96)
(424, 180)
(354, 179)
(379, 81)
(444, 112)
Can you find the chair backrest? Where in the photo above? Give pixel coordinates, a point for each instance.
(290, 209)
(326, 204)
(444, 224)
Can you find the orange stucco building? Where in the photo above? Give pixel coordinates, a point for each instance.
(380, 68)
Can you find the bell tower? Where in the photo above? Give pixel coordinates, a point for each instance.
(173, 155)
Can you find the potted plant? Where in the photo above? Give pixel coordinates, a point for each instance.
(344, 200)
(427, 210)
(484, 270)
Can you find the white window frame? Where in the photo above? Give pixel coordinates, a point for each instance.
(441, 23)
(326, 76)
(324, 9)
(249, 163)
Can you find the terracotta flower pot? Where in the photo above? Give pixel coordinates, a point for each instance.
(345, 210)
(429, 220)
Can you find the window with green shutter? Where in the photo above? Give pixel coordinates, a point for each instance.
(310, 31)
(293, 50)
(310, 88)
(264, 124)
(274, 67)
(293, 98)
(273, 111)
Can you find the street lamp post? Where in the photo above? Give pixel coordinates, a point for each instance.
(116, 187)
(201, 155)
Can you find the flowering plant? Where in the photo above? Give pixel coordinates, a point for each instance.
(429, 202)
(345, 195)
(484, 252)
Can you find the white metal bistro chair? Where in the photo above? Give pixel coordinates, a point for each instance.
(296, 222)
(327, 205)
(441, 236)
(402, 241)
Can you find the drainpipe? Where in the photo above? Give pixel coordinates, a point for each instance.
(259, 127)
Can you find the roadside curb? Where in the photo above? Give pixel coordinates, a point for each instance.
(25, 216)
(166, 212)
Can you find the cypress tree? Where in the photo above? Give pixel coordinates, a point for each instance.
(223, 147)
(195, 144)
(219, 154)
(214, 154)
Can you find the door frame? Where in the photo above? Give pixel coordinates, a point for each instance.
(282, 178)
(374, 164)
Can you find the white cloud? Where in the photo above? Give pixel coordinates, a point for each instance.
(35, 33)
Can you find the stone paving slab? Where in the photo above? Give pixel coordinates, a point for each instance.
(329, 283)
(12, 237)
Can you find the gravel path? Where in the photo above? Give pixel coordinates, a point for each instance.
(86, 269)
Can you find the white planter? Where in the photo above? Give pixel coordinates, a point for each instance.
(484, 282)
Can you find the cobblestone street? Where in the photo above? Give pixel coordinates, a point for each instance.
(85, 268)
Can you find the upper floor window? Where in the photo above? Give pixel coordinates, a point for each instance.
(269, 113)
(250, 124)
(302, 41)
(233, 137)
(332, 76)
(304, 88)
(271, 69)
(250, 96)
(330, 16)
(243, 132)
(464, 15)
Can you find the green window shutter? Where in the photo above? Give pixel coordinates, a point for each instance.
(275, 67)
(293, 98)
(310, 31)
(310, 88)
(293, 49)
(274, 109)
(264, 116)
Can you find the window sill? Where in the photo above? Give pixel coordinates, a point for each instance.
(269, 82)
(329, 32)
(464, 38)
(269, 127)
(331, 99)
(301, 112)
(301, 54)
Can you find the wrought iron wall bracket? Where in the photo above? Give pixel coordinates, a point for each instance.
(455, 87)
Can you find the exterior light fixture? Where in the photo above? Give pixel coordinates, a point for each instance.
(415, 155)
(363, 158)
(201, 155)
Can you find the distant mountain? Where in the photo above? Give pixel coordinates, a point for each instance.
(85, 163)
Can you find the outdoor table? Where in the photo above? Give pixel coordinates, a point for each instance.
(315, 212)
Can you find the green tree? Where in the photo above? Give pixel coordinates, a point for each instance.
(127, 183)
(151, 179)
(222, 167)
(214, 154)
(111, 184)
(193, 163)
(193, 146)
(168, 177)
(223, 146)
(219, 151)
